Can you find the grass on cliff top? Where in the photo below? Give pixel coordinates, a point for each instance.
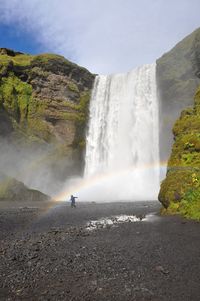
(48, 60)
(20, 59)
(45, 57)
(26, 59)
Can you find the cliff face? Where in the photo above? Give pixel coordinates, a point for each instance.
(177, 80)
(43, 115)
(180, 191)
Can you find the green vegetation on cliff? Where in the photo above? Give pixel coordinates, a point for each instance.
(15, 97)
(180, 191)
(22, 80)
(44, 102)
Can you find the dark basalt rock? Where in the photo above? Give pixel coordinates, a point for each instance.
(177, 80)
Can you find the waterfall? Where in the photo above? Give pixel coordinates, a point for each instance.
(122, 145)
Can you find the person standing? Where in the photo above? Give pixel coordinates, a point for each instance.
(73, 201)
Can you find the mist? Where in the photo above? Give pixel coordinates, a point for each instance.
(29, 165)
(124, 185)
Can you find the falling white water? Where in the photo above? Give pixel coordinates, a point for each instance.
(122, 149)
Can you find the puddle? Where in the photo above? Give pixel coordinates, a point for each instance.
(112, 221)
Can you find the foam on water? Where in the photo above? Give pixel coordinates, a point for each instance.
(108, 222)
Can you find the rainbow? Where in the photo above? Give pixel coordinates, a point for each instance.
(84, 183)
(87, 182)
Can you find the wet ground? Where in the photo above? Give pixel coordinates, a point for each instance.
(113, 251)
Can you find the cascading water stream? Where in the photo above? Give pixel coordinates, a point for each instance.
(122, 147)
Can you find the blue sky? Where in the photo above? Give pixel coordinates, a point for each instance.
(19, 40)
(105, 36)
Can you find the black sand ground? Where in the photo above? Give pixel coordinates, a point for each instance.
(47, 254)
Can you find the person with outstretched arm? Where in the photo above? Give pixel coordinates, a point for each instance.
(73, 201)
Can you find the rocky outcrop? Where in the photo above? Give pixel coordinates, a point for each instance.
(177, 80)
(180, 191)
(13, 190)
(43, 114)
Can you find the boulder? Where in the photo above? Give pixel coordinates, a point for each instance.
(13, 190)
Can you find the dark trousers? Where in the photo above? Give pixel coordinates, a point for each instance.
(73, 204)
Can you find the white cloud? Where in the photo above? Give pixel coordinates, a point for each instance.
(104, 35)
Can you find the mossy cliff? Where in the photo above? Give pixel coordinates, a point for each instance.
(44, 106)
(180, 191)
(13, 190)
(177, 79)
